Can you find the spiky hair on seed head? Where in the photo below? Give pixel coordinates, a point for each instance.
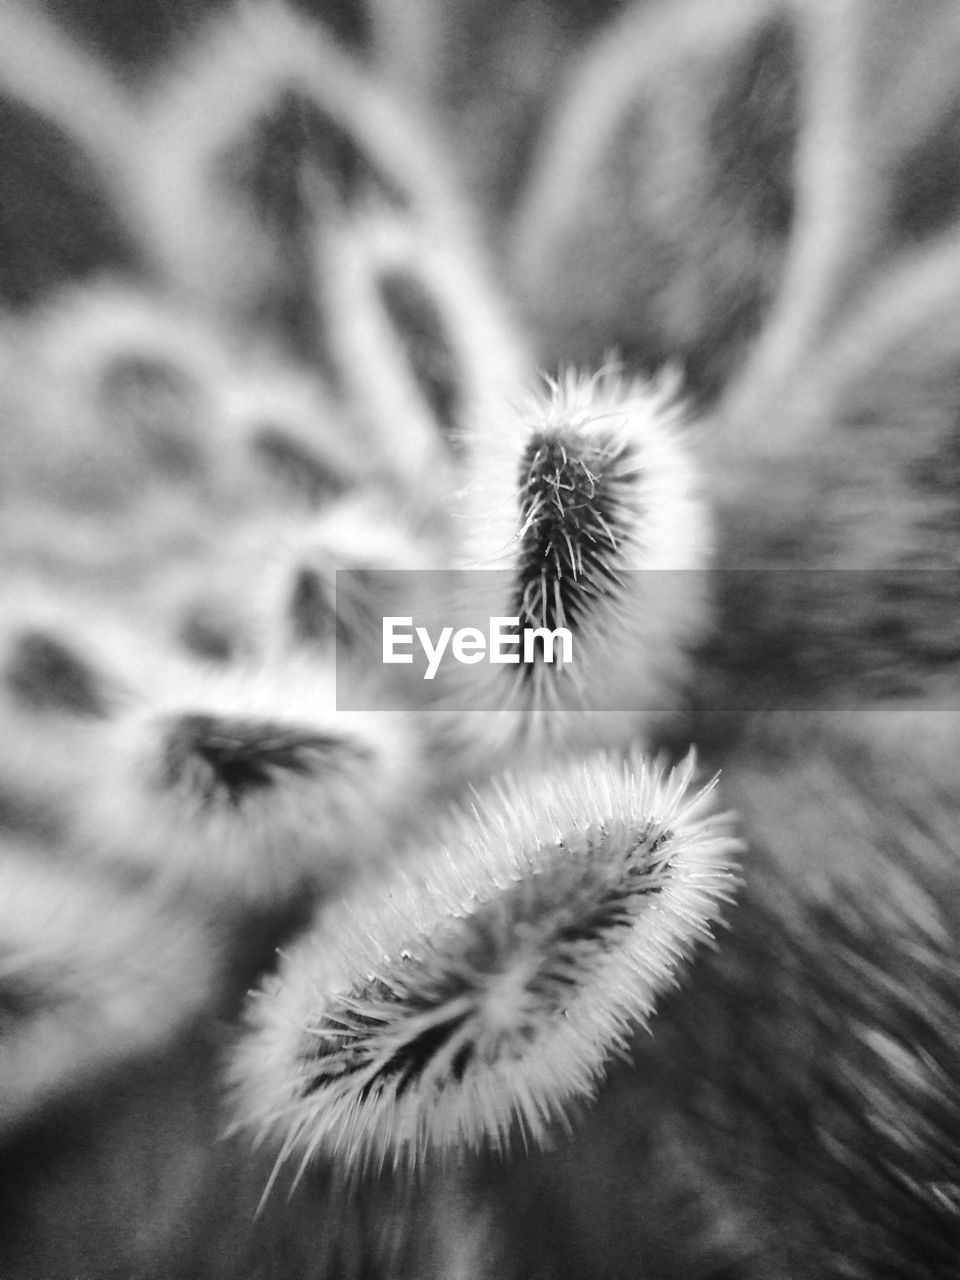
(487, 986)
(90, 976)
(263, 124)
(588, 502)
(421, 342)
(249, 785)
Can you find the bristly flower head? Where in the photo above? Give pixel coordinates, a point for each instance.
(248, 784)
(587, 498)
(599, 458)
(487, 989)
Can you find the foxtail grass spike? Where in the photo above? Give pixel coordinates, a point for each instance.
(250, 786)
(588, 502)
(488, 986)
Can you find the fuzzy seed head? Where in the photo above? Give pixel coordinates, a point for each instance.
(486, 988)
(589, 500)
(248, 785)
